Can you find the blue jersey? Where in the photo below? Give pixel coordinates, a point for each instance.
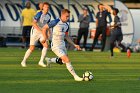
(42, 19)
(59, 29)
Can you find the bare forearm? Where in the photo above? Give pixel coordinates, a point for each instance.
(69, 40)
(96, 22)
(36, 26)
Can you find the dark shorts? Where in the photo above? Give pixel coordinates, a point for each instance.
(116, 36)
(26, 31)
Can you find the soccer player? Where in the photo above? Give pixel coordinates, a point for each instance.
(41, 18)
(116, 33)
(27, 18)
(60, 31)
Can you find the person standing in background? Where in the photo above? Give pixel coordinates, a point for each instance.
(27, 18)
(40, 6)
(84, 20)
(101, 26)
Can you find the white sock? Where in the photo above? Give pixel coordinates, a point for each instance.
(71, 69)
(53, 60)
(44, 51)
(27, 54)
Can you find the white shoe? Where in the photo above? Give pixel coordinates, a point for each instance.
(77, 78)
(41, 64)
(23, 64)
(48, 61)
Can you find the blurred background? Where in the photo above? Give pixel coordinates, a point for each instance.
(11, 27)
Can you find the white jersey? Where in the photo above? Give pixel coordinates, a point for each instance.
(59, 30)
(41, 19)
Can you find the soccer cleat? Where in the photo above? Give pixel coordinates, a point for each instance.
(77, 78)
(23, 64)
(48, 61)
(41, 64)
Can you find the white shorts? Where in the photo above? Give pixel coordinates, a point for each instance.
(60, 51)
(35, 36)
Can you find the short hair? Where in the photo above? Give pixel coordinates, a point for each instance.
(116, 10)
(46, 3)
(99, 5)
(28, 4)
(65, 11)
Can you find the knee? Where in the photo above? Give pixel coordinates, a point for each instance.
(32, 48)
(66, 60)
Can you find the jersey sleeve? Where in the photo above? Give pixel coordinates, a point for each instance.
(37, 16)
(53, 23)
(50, 17)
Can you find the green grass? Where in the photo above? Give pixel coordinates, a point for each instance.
(117, 75)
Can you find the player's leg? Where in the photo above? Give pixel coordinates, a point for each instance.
(112, 41)
(70, 68)
(27, 54)
(119, 40)
(33, 40)
(62, 53)
(43, 54)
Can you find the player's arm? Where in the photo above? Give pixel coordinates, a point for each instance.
(35, 25)
(47, 28)
(108, 8)
(44, 31)
(96, 22)
(36, 19)
(71, 42)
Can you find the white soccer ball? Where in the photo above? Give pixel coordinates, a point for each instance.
(87, 76)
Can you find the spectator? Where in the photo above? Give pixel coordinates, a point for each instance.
(84, 20)
(101, 25)
(40, 5)
(27, 18)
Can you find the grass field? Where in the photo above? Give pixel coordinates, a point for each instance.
(117, 75)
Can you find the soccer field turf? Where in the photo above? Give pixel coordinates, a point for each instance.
(117, 75)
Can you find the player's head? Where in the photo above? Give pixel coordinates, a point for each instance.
(100, 7)
(85, 10)
(65, 14)
(28, 5)
(40, 5)
(46, 6)
(115, 11)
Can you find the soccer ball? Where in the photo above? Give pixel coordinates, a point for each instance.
(87, 76)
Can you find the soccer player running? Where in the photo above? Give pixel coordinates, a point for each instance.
(60, 31)
(40, 19)
(116, 31)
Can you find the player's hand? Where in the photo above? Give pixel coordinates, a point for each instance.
(77, 46)
(43, 40)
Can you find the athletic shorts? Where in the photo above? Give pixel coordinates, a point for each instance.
(35, 36)
(26, 31)
(60, 51)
